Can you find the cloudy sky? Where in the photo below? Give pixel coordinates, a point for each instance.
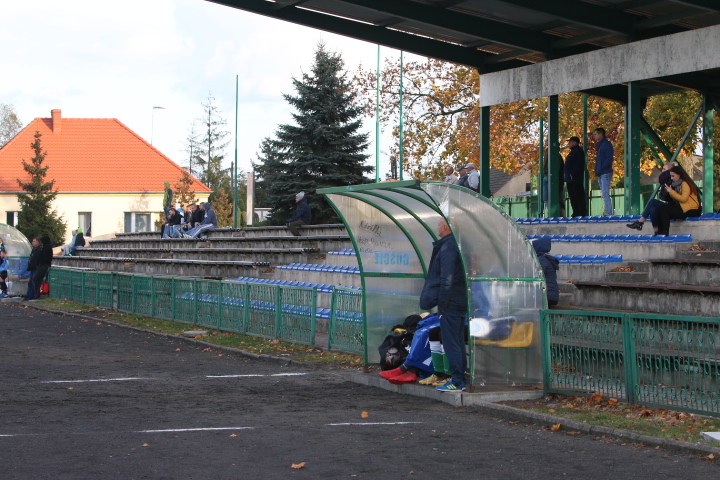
(97, 59)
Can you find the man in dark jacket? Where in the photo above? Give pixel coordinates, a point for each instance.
(44, 261)
(209, 221)
(604, 168)
(302, 216)
(32, 266)
(445, 288)
(575, 177)
(550, 266)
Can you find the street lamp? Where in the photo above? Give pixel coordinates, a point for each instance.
(152, 130)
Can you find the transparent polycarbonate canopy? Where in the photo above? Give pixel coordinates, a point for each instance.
(17, 251)
(393, 226)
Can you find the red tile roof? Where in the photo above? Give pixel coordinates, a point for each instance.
(90, 155)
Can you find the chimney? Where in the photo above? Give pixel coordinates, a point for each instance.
(56, 121)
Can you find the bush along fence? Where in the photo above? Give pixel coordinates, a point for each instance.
(282, 312)
(663, 361)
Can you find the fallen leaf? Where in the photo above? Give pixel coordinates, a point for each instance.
(552, 410)
(645, 413)
(275, 342)
(233, 435)
(555, 427)
(177, 349)
(70, 388)
(145, 445)
(514, 423)
(298, 466)
(572, 433)
(612, 401)
(710, 457)
(364, 415)
(207, 349)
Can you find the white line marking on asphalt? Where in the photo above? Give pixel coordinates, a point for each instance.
(209, 429)
(368, 423)
(96, 380)
(257, 375)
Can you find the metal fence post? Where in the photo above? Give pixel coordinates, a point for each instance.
(219, 305)
(152, 296)
(630, 357)
(278, 311)
(246, 308)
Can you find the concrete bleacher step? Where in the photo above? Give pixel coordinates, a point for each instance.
(269, 255)
(324, 242)
(267, 231)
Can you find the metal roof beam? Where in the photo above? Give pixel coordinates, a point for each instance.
(711, 5)
(463, 23)
(402, 41)
(582, 13)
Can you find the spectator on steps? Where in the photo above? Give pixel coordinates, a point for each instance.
(167, 199)
(462, 177)
(3, 273)
(450, 176)
(302, 216)
(686, 196)
(79, 242)
(550, 266)
(172, 221)
(187, 223)
(44, 263)
(654, 203)
(209, 221)
(66, 248)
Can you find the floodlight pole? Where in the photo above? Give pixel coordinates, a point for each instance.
(377, 120)
(402, 143)
(235, 172)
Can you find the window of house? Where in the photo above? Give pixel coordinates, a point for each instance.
(11, 218)
(85, 223)
(138, 222)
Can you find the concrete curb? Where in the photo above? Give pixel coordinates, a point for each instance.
(481, 402)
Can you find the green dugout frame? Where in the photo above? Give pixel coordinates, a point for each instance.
(393, 225)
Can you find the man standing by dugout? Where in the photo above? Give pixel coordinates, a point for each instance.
(575, 177)
(445, 288)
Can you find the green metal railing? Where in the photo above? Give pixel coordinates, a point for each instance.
(663, 361)
(284, 312)
(346, 321)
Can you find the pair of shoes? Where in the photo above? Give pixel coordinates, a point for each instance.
(451, 387)
(388, 374)
(3, 294)
(429, 380)
(407, 377)
(663, 232)
(636, 225)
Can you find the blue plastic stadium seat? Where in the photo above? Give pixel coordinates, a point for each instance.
(589, 259)
(684, 238)
(598, 238)
(583, 219)
(615, 259)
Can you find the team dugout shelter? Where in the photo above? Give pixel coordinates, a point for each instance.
(393, 225)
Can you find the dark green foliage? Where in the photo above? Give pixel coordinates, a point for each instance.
(36, 216)
(322, 149)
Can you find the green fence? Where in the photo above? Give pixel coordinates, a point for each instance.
(663, 361)
(347, 326)
(283, 312)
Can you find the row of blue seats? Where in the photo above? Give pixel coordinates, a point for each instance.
(616, 238)
(314, 267)
(270, 306)
(600, 219)
(344, 251)
(321, 287)
(589, 258)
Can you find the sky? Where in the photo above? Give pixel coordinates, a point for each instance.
(97, 59)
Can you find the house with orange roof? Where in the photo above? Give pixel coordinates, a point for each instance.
(108, 178)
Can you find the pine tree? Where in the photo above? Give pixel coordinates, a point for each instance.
(211, 151)
(192, 148)
(36, 217)
(322, 149)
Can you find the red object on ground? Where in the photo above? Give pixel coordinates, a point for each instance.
(388, 374)
(407, 377)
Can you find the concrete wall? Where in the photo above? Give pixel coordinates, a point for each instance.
(108, 210)
(684, 52)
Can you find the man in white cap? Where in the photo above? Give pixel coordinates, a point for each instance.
(473, 177)
(302, 215)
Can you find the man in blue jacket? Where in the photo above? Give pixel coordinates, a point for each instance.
(209, 221)
(604, 168)
(575, 177)
(445, 288)
(302, 216)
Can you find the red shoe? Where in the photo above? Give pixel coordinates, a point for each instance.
(388, 374)
(407, 377)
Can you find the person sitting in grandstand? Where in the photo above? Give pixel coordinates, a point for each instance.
(209, 221)
(79, 242)
(187, 223)
(173, 220)
(66, 248)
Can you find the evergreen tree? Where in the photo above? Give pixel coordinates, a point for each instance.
(322, 149)
(10, 124)
(36, 217)
(192, 148)
(211, 153)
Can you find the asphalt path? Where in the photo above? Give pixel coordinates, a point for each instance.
(84, 400)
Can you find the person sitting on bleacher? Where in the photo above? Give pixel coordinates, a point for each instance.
(686, 196)
(550, 266)
(302, 216)
(173, 220)
(209, 221)
(66, 248)
(654, 203)
(186, 223)
(79, 242)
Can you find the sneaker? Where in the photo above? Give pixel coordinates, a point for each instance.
(635, 225)
(388, 374)
(441, 381)
(3, 295)
(429, 380)
(407, 377)
(451, 387)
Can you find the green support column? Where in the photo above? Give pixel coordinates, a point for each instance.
(541, 168)
(708, 159)
(633, 115)
(553, 160)
(586, 180)
(484, 151)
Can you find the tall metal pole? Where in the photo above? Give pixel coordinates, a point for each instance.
(235, 172)
(402, 143)
(377, 121)
(541, 169)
